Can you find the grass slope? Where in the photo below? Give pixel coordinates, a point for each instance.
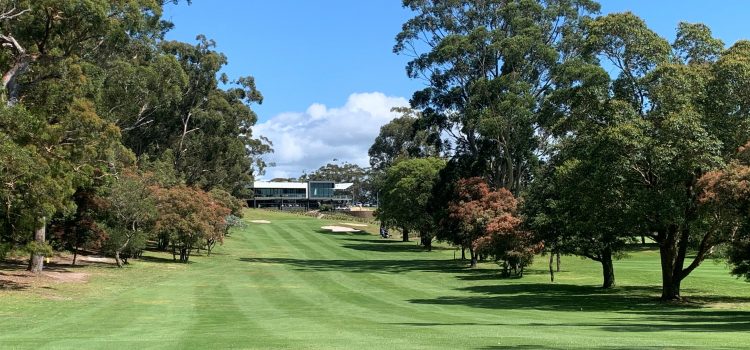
(289, 285)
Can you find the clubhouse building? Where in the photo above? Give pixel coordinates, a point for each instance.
(299, 195)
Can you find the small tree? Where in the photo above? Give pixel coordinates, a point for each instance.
(131, 210)
(189, 217)
(488, 222)
(405, 192)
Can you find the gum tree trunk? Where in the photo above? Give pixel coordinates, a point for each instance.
(37, 260)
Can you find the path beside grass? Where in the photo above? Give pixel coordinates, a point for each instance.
(290, 285)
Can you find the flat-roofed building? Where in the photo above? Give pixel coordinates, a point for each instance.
(299, 195)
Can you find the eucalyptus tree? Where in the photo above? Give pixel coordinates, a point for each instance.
(688, 113)
(488, 65)
(51, 61)
(404, 137)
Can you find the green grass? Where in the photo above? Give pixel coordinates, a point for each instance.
(289, 285)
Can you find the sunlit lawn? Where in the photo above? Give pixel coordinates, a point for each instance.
(290, 285)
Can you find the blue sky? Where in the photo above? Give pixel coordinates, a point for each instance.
(328, 66)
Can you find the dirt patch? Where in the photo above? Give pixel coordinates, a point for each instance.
(13, 276)
(340, 229)
(20, 280)
(96, 259)
(74, 277)
(353, 224)
(260, 221)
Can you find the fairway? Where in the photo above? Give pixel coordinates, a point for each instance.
(290, 285)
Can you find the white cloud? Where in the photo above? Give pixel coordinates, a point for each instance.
(305, 141)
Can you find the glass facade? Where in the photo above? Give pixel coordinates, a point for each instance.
(321, 189)
(279, 192)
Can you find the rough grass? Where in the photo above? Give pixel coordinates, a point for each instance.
(289, 285)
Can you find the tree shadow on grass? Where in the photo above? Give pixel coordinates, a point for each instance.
(355, 233)
(386, 247)
(158, 259)
(11, 285)
(371, 265)
(653, 315)
(548, 296)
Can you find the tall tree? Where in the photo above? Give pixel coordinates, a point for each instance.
(686, 114)
(404, 137)
(488, 66)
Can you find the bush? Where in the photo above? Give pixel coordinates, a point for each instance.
(5, 248)
(37, 248)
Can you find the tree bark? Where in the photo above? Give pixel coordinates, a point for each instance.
(608, 269)
(473, 254)
(668, 254)
(37, 260)
(405, 234)
(20, 65)
(117, 258)
(463, 253)
(551, 270)
(558, 261)
(426, 241)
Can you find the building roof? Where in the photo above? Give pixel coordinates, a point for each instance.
(300, 185)
(268, 184)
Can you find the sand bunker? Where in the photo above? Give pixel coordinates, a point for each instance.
(340, 229)
(353, 224)
(260, 221)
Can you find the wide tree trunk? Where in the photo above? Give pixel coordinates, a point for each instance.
(405, 234)
(668, 252)
(463, 253)
(608, 270)
(426, 241)
(37, 260)
(670, 284)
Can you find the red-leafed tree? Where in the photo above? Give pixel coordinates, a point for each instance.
(725, 205)
(190, 218)
(488, 224)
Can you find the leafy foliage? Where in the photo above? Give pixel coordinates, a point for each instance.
(189, 217)
(405, 195)
(488, 223)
